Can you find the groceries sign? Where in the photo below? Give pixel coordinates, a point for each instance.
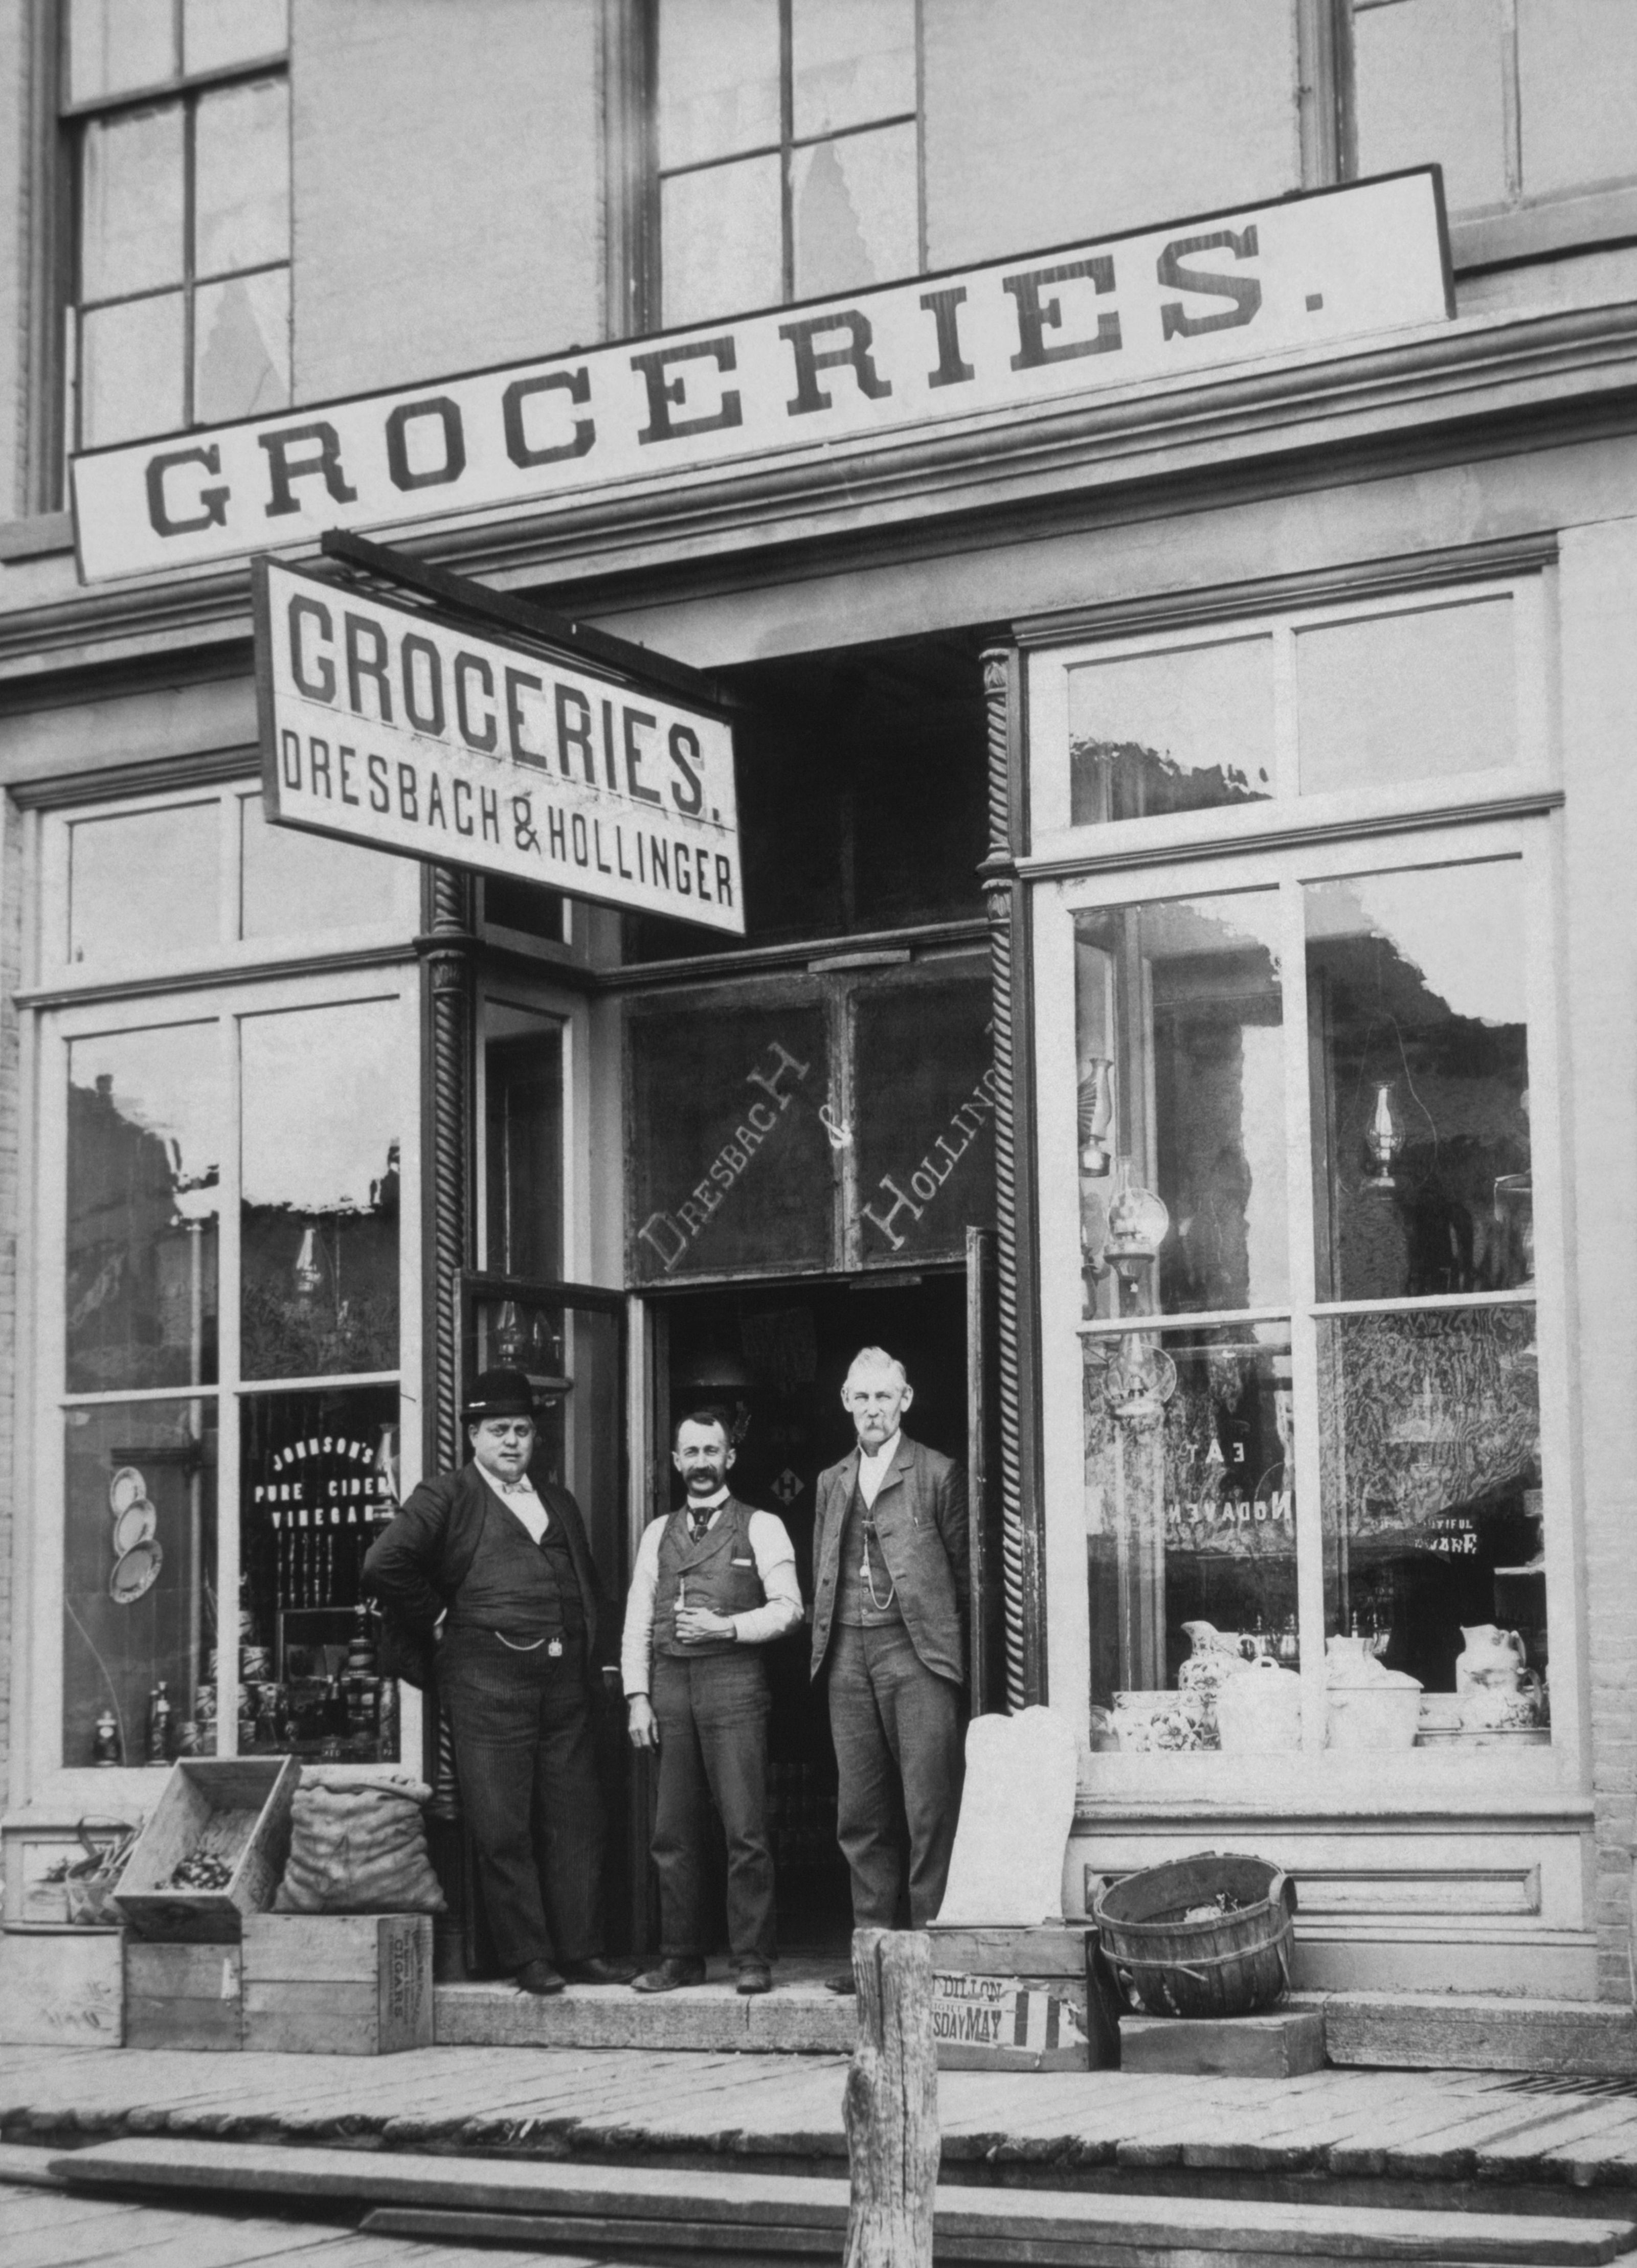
(1308, 272)
(386, 726)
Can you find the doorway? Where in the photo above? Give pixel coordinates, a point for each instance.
(775, 1356)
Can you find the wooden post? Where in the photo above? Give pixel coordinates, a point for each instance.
(890, 2107)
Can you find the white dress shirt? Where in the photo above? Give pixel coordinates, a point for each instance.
(519, 1496)
(775, 1557)
(872, 1469)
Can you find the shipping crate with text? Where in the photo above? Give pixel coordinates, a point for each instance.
(338, 1983)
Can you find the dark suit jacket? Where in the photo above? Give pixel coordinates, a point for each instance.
(416, 1564)
(920, 1517)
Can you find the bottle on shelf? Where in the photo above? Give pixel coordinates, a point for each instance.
(159, 1714)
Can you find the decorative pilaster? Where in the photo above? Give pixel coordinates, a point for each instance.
(999, 884)
(446, 947)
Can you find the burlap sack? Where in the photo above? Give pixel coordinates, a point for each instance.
(358, 1844)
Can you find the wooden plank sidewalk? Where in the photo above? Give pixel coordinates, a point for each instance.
(1483, 2127)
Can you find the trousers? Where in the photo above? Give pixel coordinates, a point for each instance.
(713, 1716)
(526, 1758)
(894, 1723)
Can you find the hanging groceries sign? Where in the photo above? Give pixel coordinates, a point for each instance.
(1170, 303)
(384, 725)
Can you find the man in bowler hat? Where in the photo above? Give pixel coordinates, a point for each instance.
(503, 1565)
(890, 1555)
(714, 1583)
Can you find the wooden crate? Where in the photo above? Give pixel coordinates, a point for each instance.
(183, 1996)
(61, 1989)
(984, 2025)
(1284, 2045)
(237, 1809)
(338, 1983)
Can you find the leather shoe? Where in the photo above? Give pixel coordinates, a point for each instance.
(596, 1970)
(842, 1981)
(676, 1970)
(539, 1977)
(752, 1977)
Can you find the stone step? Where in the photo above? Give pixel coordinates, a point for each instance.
(712, 2212)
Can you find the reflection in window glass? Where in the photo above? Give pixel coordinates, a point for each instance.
(1421, 1082)
(241, 179)
(145, 1145)
(1180, 1077)
(1430, 1465)
(724, 244)
(131, 373)
(139, 1602)
(320, 1218)
(143, 884)
(1406, 696)
(851, 61)
(131, 207)
(218, 32)
(523, 1114)
(1181, 731)
(1190, 1526)
(242, 346)
(319, 1479)
(719, 79)
(853, 211)
(118, 46)
(298, 885)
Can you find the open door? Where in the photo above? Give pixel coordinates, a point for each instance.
(983, 1466)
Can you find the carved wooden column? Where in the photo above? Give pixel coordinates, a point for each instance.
(1021, 1556)
(446, 947)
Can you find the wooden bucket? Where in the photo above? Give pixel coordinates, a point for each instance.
(1230, 1965)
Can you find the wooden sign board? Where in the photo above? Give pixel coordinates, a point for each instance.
(1175, 302)
(382, 724)
(997, 2024)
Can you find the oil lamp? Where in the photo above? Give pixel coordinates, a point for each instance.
(1096, 1115)
(1138, 1225)
(1383, 1137)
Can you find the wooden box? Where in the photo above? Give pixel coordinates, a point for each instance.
(182, 1996)
(1019, 1999)
(61, 1989)
(1283, 2045)
(338, 1983)
(235, 1809)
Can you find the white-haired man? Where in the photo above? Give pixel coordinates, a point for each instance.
(890, 1558)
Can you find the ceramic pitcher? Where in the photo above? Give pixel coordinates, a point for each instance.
(1495, 1659)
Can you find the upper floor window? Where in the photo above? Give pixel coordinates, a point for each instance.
(789, 150)
(180, 111)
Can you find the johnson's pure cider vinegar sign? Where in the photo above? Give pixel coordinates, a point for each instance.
(386, 726)
(834, 379)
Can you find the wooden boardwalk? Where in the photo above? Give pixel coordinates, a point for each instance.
(1096, 2129)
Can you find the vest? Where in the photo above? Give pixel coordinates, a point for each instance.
(522, 1589)
(855, 1608)
(719, 1571)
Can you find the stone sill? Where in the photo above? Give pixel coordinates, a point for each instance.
(39, 538)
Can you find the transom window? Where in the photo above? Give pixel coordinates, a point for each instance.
(788, 151)
(179, 113)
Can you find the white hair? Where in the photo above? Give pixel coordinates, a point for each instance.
(873, 1358)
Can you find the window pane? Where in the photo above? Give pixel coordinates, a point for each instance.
(1577, 75)
(319, 1221)
(241, 179)
(131, 204)
(523, 1115)
(1190, 1527)
(719, 78)
(131, 361)
(851, 61)
(853, 211)
(1180, 1057)
(218, 32)
(143, 885)
(297, 884)
(1430, 1466)
(117, 46)
(922, 1133)
(1419, 1068)
(1181, 731)
(722, 241)
(139, 1580)
(144, 1145)
(242, 346)
(318, 1479)
(1431, 86)
(1406, 696)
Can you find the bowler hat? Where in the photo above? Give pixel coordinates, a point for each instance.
(499, 1394)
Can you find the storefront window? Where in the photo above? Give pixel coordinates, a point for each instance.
(1179, 731)
(142, 886)
(523, 1144)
